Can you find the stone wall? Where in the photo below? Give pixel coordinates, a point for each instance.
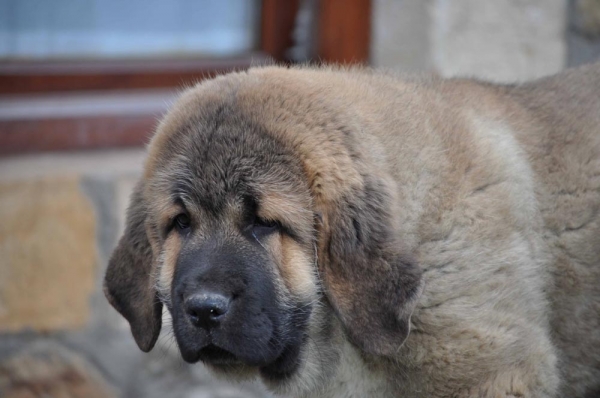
(583, 32)
(61, 216)
(500, 40)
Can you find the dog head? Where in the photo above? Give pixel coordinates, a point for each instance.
(265, 226)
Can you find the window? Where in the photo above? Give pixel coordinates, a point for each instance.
(121, 61)
(96, 29)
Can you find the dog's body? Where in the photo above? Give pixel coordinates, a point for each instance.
(424, 237)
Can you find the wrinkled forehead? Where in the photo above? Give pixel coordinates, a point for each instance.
(219, 159)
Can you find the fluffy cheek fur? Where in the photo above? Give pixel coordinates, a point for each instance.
(295, 268)
(325, 341)
(167, 260)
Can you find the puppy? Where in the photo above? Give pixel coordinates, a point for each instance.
(350, 233)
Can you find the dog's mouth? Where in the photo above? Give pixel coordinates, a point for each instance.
(285, 365)
(217, 356)
(273, 370)
(230, 347)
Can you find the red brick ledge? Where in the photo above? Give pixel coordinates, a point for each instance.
(71, 122)
(18, 77)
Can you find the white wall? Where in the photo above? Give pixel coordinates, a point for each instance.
(499, 40)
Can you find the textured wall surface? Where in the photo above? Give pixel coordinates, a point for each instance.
(46, 234)
(60, 218)
(583, 35)
(502, 41)
(401, 34)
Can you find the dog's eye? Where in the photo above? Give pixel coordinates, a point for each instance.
(262, 227)
(182, 222)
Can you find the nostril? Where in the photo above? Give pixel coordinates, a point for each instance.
(212, 312)
(206, 309)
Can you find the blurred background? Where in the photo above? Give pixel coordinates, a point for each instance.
(82, 84)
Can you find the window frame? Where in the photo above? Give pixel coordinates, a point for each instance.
(343, 34)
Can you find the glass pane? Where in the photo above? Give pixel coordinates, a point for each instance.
(127, 28)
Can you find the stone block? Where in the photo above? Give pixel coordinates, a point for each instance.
(48, 370)
(47, 254)
(503, 40)
(400, 38)
(587, 18)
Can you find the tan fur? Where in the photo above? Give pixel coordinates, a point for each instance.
(494, 191)
(299, 279)
(277, 205)
(166, 265)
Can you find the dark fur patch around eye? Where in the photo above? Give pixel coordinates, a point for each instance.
(263, 228)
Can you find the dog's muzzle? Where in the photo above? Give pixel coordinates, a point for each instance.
(226, 310)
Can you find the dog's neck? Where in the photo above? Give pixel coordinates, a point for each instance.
(356, 378)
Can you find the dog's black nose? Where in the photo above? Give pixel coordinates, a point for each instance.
(206, 310)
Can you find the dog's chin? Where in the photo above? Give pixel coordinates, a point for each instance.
(284, 366)
(225, 362)
(212, 354)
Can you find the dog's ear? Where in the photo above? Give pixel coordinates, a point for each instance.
(372, 286)
(128, 284)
